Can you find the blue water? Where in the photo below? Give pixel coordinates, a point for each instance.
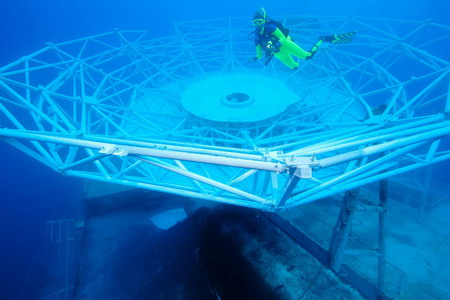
(30, 192)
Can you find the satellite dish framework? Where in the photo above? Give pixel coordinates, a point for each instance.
(189, 114)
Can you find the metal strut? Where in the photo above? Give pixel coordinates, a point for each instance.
(342, 233)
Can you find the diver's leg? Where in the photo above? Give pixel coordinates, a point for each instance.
(314, 49)
(286, 59)
(294, 49)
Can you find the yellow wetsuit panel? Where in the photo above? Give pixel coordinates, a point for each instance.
(288, 49)
(259, 52)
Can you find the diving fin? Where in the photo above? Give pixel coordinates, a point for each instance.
(343, 38)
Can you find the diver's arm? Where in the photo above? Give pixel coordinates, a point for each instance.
(259, 52)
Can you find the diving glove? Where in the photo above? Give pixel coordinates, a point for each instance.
(273, 47)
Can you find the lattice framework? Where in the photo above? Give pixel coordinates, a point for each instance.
(107, 107)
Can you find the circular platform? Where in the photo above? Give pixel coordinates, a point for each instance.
(237, 98)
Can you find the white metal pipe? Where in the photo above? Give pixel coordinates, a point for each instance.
(156, 144)
(57, 109)
(193, 180)
(110, 121)
(447, 103)
(432, 150)
(175, 191)
(377, 138)
(98, 164)
(31, 107)
(11, 117)
(83, 161)
(420, 94)
(365, 133)
(46, 159)
(209, 181)
(348, 175)
(175, 146)
(242, 177)
(371, 150)
(349, 186)
(20, 126)
(125, 150)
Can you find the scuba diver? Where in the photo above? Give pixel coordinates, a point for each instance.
(272, 39)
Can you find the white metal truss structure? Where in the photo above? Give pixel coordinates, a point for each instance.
(108, 108)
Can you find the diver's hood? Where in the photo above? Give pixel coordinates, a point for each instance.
(260, 14)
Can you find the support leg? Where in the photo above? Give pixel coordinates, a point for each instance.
(382, 219)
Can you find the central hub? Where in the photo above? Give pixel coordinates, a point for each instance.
(237, 98)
